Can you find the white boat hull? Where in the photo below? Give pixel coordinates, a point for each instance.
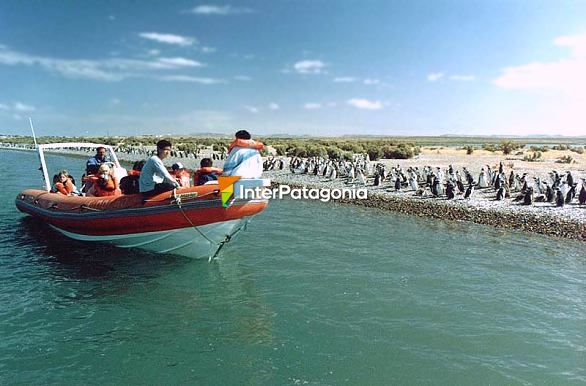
(196, 242)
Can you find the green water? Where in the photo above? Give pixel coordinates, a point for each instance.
(312, 293)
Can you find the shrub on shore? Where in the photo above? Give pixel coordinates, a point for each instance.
(565, 160)
(535, 157)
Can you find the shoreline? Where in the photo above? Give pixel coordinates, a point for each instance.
(542, 218)
(550, 221)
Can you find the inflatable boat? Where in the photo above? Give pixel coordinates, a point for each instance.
(191, 221)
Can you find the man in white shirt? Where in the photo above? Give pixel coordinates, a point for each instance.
(154, 177)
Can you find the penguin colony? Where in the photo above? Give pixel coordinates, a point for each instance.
(496, 196)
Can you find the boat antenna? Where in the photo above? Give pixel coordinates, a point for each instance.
(30, 120)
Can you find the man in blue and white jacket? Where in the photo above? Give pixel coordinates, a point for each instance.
(244, 158)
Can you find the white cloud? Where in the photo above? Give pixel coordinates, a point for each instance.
(365, 104)
(111, 70)
(274, 106)
(114, 102)
(557, 89)
(463, 78)
(191, 79)
(243, 78)
(168, 38)
(208, 50)
(221, 10)
(179, 62)
(577, 44)
(368, 81)
(252, 109)
(435, 76)
(565, 75)
(309, 67)
(18, 106)
(154, 52)
(312, 106)
(345, 79)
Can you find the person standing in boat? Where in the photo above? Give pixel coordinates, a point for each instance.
(244, 158)
(154, 177)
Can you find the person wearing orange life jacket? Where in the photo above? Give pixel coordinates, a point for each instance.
(206, 172)
(129, 184)
(63, 184)
(182, 176)
(105, 184)
(244, 158)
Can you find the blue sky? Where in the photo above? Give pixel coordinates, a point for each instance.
(319, 67)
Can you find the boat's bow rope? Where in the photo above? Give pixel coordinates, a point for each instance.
(179, 202)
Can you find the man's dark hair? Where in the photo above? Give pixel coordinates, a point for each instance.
(206, 163)
(138, 165)
(163, 143)
(243, 134)
(100, 148)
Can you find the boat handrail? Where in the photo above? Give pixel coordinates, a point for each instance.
(61, 145)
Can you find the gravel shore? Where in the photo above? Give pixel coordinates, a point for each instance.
(568, 221)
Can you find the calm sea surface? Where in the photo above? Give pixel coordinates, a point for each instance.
(312, 293)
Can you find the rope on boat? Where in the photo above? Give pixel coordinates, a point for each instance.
(178, 202)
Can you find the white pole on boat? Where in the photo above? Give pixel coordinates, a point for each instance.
(41, 157)
(30, 120)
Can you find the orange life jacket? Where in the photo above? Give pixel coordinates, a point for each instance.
(183, 177)
(103, 187)
(134, 172)
(65, 188)
(250, 143)
(205, 170)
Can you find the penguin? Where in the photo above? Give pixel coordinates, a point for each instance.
(376, 179)
(569, 178)
(500, 194)
(549, 193)
(469, 191)
(460, 186)
(582, 196)
(528, 196)
(450, 190)
(398, 183)
(559, 198)
(436, 188)
(571, 194)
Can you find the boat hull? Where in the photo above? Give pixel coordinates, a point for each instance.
(189, 222)
(194, 242)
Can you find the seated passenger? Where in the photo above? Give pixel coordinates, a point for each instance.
(155, 178)
(105, 184)
(63, 184)
(129, 184)
(244, 158)
(95, 161)
(206, 172)
(182, 176)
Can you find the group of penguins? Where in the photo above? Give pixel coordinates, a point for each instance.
(560, 191)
